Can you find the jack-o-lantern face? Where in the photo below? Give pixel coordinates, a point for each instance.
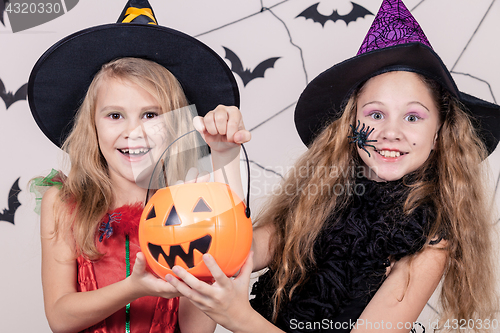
(181, 223)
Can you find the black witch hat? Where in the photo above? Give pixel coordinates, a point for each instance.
(60, 78)
(395, 42)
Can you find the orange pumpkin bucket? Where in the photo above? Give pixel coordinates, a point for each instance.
(180, 223)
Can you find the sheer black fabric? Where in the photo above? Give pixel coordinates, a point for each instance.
(352, 254)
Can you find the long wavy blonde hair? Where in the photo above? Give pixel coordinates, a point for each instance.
(453, 177)
(87, 194)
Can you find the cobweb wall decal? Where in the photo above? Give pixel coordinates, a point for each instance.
(480, 80)
(265, 168)
(452, 70)
(418, 4)
(272, 116)
(473, 35)
(239, 20)
(291, 39)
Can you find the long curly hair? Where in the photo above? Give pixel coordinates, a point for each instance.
(87, 193)
(453, 178)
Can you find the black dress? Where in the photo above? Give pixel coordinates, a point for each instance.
(351, 260)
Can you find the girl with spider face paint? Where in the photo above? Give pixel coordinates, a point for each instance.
(393, 201)
(405, 120)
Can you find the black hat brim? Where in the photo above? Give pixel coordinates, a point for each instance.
(323, 99)
(60, 78)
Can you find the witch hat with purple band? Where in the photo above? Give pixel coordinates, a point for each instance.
(60, 78)
(395, 42)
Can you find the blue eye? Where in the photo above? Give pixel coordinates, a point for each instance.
(412, 118)
(376, 115)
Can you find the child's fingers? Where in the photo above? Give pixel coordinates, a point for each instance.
(221, 115)
(234, 122)
(183, 288)
(246, 269)
(199, 124)
(219, 276)
(242, 136)
(192, 283)
(224, 120)
(140, 263)
(209, 121)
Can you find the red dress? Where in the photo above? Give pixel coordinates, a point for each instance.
(147, 314)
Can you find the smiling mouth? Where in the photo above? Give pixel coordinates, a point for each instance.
(134, 152)
(390, 153)
(169, 253)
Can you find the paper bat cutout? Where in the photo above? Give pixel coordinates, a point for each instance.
(2, 9)
(9, 98)
(356, 12)
(246, 74)
(8, 214)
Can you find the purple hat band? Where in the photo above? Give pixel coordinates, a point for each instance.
(393, 25)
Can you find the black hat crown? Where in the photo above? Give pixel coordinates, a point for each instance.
(62, 75)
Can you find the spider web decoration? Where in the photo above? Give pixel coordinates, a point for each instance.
(393, 25)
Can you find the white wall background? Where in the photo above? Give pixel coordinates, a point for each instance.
(463, 32)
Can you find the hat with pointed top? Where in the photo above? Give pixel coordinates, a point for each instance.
(393, 25)
(60, 78)
(138, 11)
(394, 42)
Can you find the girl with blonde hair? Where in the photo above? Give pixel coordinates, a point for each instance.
(394, 202)
(94, 276)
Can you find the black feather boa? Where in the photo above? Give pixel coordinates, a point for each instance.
(352, 254)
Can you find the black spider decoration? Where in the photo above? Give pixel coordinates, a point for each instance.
(361, 137)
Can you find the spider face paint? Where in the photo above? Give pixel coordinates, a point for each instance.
(360, 137)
